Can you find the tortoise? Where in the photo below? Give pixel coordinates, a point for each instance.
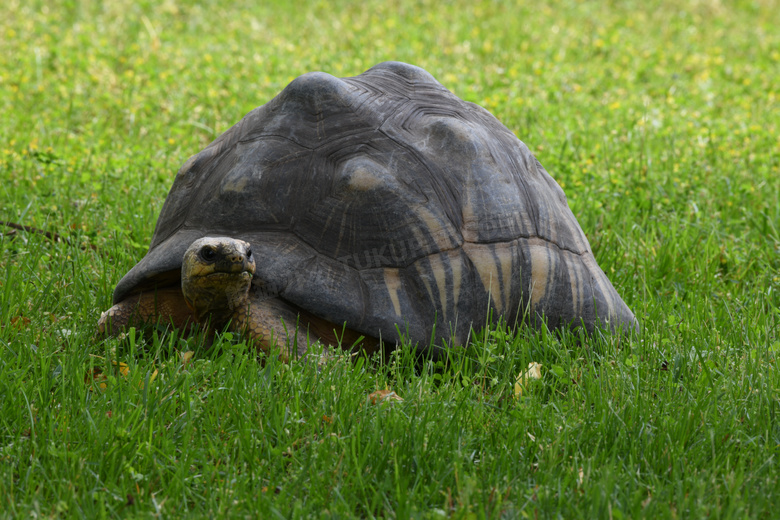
(375, 207)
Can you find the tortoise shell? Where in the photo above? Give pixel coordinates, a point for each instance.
(386, 202)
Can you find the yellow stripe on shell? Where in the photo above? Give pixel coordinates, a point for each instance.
(494, 266)
(437, 267)
(436, 228)
(393, 284)
(456, 265)
(542, 266)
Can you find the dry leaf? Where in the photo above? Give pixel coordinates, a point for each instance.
(20, 321)
(151, 378)
(96, 375)
(186, 357)
(381, 396)
(534, 372)
(123, 368)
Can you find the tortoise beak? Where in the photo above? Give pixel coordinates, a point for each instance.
(235, 262)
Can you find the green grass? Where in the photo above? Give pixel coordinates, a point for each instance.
(659, 119)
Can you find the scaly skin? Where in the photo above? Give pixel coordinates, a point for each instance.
(216, 275)
(164, 305)
(273, 323)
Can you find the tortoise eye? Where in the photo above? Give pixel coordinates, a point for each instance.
(208, 254)
(249, 254)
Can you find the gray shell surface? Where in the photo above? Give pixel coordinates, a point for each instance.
(386, 202)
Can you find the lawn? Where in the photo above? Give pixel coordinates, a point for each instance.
(661, 121)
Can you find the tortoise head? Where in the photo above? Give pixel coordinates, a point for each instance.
(216, 275)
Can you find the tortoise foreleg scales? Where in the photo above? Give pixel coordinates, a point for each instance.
(165, 306)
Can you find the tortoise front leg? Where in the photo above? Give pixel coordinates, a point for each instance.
(163, 306)
(275, 326)
(278, 325)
